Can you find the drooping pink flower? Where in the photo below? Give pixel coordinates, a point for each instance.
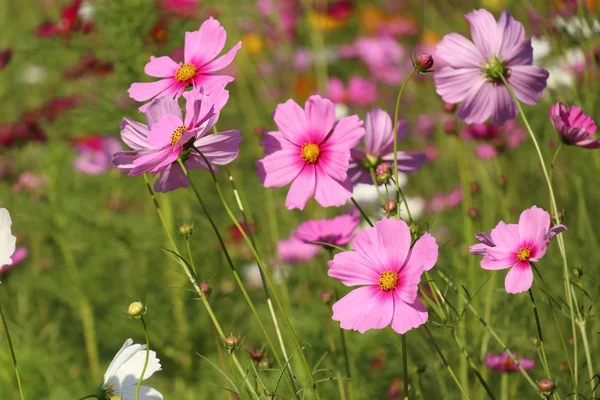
(311, 151)
(474, 70)
(95, 154)
(360, 91)
(198, 67)
(516, 246)
(168, 135)
(379, 147)
(497, 139)
(388, 271)
(17, 257)
(574, 126)
(503, 363)
(337, 231)
(293, 250)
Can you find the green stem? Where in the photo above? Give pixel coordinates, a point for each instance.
(405, 367)
(544, 357)
(234, 270)
(445, 362)
(572, 301)
(364, 214)
(12, 353)
(192, 278)
(504, 386)
(376, 186)
(139, 384)
(473, 367)
(395, 133)
(189, 249)
(554, 158)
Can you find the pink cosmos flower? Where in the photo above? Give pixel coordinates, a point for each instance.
(95, 154)
(360, 91)
(445, 201)
(294, 251)
(198, 67)
(168, 136)
(388, 271)
(503, 363)
(17, 257)
(516, 246)
(337, 231)
(311, 151)
(474, 70)
(384, 57)
(379, 147)
(574, 126)
(498, 139)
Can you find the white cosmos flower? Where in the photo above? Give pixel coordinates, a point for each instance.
(7, 240)
(123, 373)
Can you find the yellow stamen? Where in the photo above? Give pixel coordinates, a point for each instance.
(185, 72)
(177, 134)
(310, 152)
(388, 280)
(524, 254)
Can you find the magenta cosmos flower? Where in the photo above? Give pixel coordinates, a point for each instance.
(516, 246)
(95, 154)
(337, 231)
(311, 150)
(360, 91)
(168, 136)
(503, 363)
(388, 271)
(198, 67)
(474, 70)
(379, 147)
(294, 251)
(574, 126)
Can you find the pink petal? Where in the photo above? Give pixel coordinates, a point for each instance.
(171, 178)
(147, 90)
(528, 82)
(352, 269)
(161, 67)
(209, 82)
(291, 121)
(534, 223)
(220, 148)
(148, 161)
(346, 134)
(506, 235)
(335, 163)
(161, 107)
(511, 35)
(483, 32)
(223, 61)
(282, 162)
(498, 258)
(302, 189)
(367, 244)
(330, 192)
(505, 108)
(453, 84)
(519, 279)
(204, 44)
(378, 131)
(160, 134)
(479, 103)
(577, 118)
(408, 316)
(123, 160)
(459, 52)
(424, 253)
(320, 115)
(407, 162)
(364, 308)
(395, 237)
(134, 134)
(520, 54)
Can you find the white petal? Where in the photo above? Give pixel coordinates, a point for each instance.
(7, 240)
(131, 369)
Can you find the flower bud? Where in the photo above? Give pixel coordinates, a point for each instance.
(423, 63)
(414, 229)
(546, 386)
(473, 212)
(206, 288)
(475, 187)
(449, 107)
(578, 272)
(390, 206)
(264, 364)
(535, 341)
(186, 230)
(449, 126)
(137, 310)
(502, 181)
(326, 297)
(383, 172)
(232, 343)
(257, 355)
(564, 366)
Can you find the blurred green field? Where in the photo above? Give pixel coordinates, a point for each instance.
(95, 243)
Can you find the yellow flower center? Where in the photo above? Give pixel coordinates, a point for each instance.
(388, 280)
(524, 254)
(176, 135)
(186, 72)
(310, 152)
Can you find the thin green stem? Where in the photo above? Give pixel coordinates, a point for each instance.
(504, 386)
(554, 158)
(364, 214)
(544, 357)
(445, 362)
(12, 353)
(473, 367)
(189, 249)
(376, 185)
(395, 133)
(405, 366)
(139, 384)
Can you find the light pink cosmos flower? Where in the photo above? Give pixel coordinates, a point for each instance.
(503, 363)
(379, 147)
(516, 246)
(294, 251)
(384, 57)
(311, 150)
(337, 231)
(388, 271)
(95, 154)
(574, 126)
(168, 136)
(198, 67)
(360, 91)
(474, 70)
